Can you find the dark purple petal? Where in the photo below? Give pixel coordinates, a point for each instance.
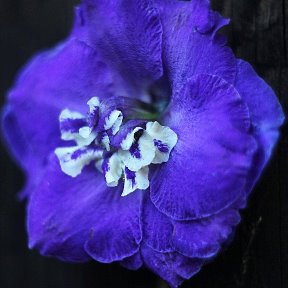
(67, 214)
(202, 238)
(172, 267)
(133, 262)
(129, 35)
(189, 47)
(265, 112)
(157, 227)
(208, 167)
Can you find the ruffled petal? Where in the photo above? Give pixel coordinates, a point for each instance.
(194, 25)
(133, 262)
(266, 115)
(77, 218)
(157, 227)
(129, 35)
(202, 238)
(172, 267)
(54, 80)
(208, 167)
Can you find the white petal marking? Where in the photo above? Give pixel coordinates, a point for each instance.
(164, 135)
(106, 142)
(85, 132)
(114, 172)
(117, 124)
(112, 118)
(129, 139)
(72, 164)
(146, 150)
(68, 114)
(140, 181)
(93, 103)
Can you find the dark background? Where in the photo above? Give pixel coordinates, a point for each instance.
(258, 257)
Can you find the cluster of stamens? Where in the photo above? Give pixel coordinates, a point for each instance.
(122, 149)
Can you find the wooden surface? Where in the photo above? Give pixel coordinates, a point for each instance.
(258, 256)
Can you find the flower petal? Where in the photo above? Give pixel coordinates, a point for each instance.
(135, 180)
(65, 214)
(73, 159)
(172, 267)
(133, 262)
(126, 136)
(43, 90)
(265, 112)
(140, 154)
(157, 227)
(164, 141)
(208, 167)
(193, 24)
(128, 33)
(202, 238)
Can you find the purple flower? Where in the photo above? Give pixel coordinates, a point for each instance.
(153, 171)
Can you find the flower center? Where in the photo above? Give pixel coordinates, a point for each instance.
(121, 146)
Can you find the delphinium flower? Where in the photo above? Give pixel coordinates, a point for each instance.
(141, 136)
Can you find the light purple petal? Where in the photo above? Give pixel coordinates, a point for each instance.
(67, 214)
(209, 165)
(265, 112)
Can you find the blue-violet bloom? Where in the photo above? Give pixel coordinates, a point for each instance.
(141, 137)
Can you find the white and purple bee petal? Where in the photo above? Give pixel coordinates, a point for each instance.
(135, 180)
(112, 169)
(131, 146)
(74, 159)
(103, 140)
(70, 125)
(92, 118)
(164, 140)
(127, 142)
(140, 154)
(113, 121)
